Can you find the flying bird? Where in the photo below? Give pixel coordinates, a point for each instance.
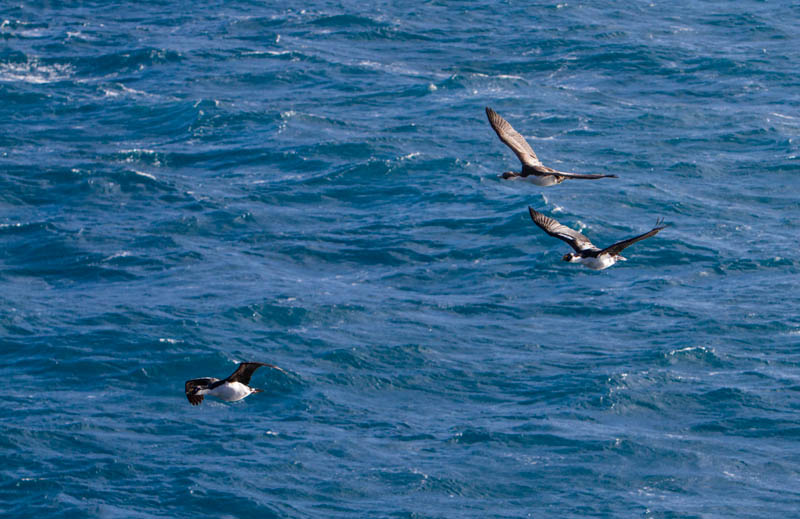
(585, 252)
(231, 389)
(532, 168)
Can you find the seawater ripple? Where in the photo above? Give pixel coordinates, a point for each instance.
(186, 186)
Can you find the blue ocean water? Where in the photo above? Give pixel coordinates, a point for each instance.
(186, 185)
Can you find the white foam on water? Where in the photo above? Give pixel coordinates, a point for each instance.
(143, 174)
(33, 71)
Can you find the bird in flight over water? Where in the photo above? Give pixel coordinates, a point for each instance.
(532, 168)
(231, 389)
(585, 252)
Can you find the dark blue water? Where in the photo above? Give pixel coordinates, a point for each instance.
(186, 185)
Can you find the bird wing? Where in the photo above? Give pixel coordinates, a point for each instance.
(197, 382)
(541, 170)
(576, 240)
(512, 139)
(245, 371)
(620, 246)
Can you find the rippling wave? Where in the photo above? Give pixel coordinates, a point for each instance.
(187, 186)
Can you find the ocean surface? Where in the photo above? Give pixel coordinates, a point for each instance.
(188, 185)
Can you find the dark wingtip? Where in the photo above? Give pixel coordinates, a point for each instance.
(612, 176)
(532, 213)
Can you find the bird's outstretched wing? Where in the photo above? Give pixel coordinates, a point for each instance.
(197, 383)
(576, 240)
(512, 139)
(620, 246)
(541, 170)
(245, 371)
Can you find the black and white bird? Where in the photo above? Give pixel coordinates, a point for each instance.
(231, 389)
(585, 252)
(532, 168)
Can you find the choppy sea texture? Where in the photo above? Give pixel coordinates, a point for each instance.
(185, 185)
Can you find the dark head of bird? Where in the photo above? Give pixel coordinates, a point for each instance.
(570, 257)
(509, 174)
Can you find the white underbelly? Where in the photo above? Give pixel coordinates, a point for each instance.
(599, 263)
(230, 392)
(544, 180)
